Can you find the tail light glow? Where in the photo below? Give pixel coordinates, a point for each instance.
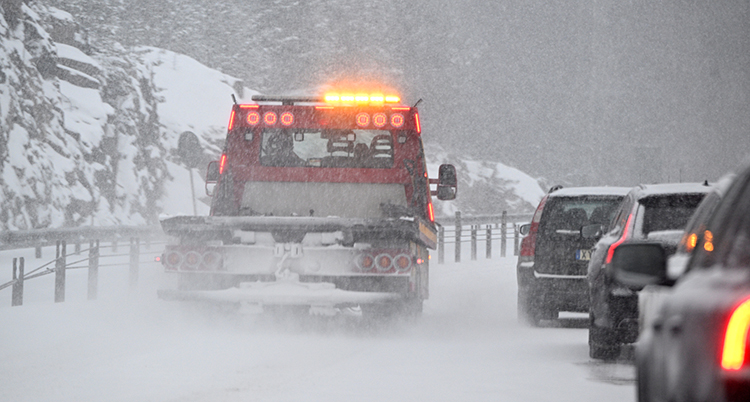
(622, 239)
(287, 118)
(270, 118)
(416, 122)
(528, 244)
(253, 118)
(402, 262)
(735, 338)
(379, 119)
(430, 211)
(231, 121)
(397, 120)
(383, 262)
(222, 163)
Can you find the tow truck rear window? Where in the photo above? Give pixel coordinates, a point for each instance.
(326, 148)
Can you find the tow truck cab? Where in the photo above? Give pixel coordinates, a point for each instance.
(332, 190)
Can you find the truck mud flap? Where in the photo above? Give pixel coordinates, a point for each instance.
(282, 293)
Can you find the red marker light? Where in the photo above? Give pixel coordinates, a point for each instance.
(249, 106)
(222, 163)
(397, 120)
(253, 118)
(735, 338)
(231, 121)
(287, 118)
(416, 122)
(270, 118)
(379, 119)
(430, 212)
(363, 119)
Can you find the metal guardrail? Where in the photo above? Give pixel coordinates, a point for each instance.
(502, 227)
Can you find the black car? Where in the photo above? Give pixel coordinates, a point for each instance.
(655, 212)
(695, 349)
(552, 262)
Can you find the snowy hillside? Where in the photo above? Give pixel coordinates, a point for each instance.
(89, 135)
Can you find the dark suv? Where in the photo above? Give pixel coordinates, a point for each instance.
(657, 213)
(696, 347)
(551, 268)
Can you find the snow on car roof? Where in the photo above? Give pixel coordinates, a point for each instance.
(603, 190)
(671, 188)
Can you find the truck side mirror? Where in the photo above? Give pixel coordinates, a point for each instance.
(212, 177)
(447, 182)
(636, 265)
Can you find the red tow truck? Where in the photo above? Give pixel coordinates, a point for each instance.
(316, 201)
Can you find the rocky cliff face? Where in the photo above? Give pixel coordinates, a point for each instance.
(80, 141)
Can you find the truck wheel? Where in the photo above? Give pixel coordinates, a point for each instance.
(601, 343)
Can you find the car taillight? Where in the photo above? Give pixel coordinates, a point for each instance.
(611, 250)
(733, 353)
(528, 244)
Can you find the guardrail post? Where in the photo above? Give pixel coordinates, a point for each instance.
(516, 239)
(93, 269)
(60, 272)
(38, 251)
(474, 242)
(488, 245)
(458, 236)
(78, 247)
(17, 298)
(134, 251)
(503, 232)
(441, 244)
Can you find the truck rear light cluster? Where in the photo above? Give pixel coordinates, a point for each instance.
(382, 261)
(192, 260)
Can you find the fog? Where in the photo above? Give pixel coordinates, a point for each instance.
(580, 92)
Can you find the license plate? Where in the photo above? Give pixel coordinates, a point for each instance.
(583, 255)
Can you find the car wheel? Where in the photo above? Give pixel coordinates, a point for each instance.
(530, 314)
(601, 344)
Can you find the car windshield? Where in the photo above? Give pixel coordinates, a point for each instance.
(668, 212)
(326, 148)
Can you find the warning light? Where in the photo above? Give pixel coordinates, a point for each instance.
(397, 120)
(253, 118)
(270, 118)
(222, 163)
(379, 119)
(231, 121)
(287, 118)
(361, 98)
(363, 119)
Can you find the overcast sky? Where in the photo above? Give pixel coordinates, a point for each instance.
(578, 92)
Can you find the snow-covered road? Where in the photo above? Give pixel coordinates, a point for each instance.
(133, 347)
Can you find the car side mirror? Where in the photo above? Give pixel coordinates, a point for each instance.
(524, 229)
(636, 265)
(212, 177)
(447, 182)
(591, 231)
